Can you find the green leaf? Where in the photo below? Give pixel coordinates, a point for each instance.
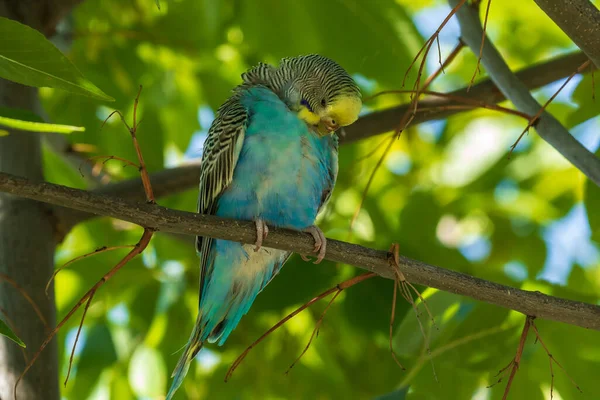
(6, 331)
(120, 389)
(27, 57)
(97, 354)
(147, 372)
(592, 204)
(375, 317)
(26, 121)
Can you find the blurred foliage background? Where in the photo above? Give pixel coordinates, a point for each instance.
(447, 192)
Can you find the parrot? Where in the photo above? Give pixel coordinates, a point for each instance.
(271, 157)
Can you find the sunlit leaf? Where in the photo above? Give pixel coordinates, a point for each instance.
(25, 121)
(147, 372)
(97, 354)
(27, 57)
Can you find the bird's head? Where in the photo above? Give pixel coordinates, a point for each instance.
(318, 89)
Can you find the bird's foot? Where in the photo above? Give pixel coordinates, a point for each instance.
(320, 243)
(262, 230)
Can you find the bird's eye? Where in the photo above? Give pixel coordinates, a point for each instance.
(323, 103)
(304, 102)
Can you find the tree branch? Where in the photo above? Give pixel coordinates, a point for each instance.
(166, 182)
(547, 126)
(176, 180)
(580, 20)
(532, 77)
(166, 220)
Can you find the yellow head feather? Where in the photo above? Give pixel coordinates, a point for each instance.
(344, 110)
(308, 116)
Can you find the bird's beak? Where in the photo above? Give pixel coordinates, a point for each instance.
(327, 125)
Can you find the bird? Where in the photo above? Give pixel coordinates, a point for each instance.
(271, 156)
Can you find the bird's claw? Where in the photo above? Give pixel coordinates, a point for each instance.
(320, 243)
(262, 230)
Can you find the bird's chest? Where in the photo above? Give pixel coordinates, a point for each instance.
(289, 167)
(280, 179)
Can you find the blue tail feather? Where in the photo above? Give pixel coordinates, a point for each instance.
(183, 365)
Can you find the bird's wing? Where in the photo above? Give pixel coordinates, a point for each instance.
(219, 158)
(332, 169)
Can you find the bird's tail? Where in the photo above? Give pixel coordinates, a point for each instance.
(191, 349)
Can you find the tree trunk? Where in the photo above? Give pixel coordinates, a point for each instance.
(26, 255)
(26, 247)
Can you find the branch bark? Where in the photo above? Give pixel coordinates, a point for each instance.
(532, 77)
(547, 126)
(166, 220)
(580, 20)
(166, 182)
(176, 180)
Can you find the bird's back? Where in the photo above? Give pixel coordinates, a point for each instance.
(283, 173)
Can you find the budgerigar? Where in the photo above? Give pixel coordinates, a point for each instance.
(270, 157)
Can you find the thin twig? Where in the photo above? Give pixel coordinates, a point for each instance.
(459, 99)
(536, 117)
(137, 249)
(87, 306)
(26, 296)
(140, 247)
(427, 44)
(455, 52)
(412, 110)
(405, 290)
(485, 21)
(552, 360)
(548, 127)
(369, 182)
(372, 152)
(108, 158)
(517, 360)
(449, 346)
(392, 318)
(338, 288)
(133, 132)
(93, 253)
(315, 330)
(138, 150)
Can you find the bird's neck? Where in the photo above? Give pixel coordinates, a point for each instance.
(281, 81)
